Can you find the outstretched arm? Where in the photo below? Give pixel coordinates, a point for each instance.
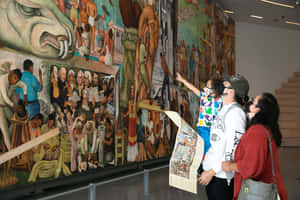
(188, 84)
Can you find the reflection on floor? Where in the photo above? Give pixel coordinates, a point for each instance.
(133, 188)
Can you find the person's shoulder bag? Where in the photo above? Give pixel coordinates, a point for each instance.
(257, 190)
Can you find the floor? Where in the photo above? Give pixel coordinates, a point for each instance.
(133, 188)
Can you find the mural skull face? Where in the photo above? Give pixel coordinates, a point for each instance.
(37, 27)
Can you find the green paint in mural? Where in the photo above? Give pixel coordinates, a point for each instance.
(37, 27)
(191, 21)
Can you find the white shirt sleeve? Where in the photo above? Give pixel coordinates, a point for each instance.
(3, 90)
(235, 124)
(22, 85)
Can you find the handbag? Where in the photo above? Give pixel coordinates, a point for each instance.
(257, 190)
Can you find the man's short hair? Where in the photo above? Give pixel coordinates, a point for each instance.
(18, 73)
(27, 64)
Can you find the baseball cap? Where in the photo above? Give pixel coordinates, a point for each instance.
(239, 83)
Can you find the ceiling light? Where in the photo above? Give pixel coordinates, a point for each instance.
(228, 11)
(256, 17)
(294, 23)
(278, 4)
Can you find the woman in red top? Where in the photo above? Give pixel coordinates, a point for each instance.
(252, 155)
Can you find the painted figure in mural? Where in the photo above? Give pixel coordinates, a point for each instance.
(54, 93)
(107, 51)
(61, 5)
(76, 135)
(74, 12)
(83, 22)
(161, 151)
(8, 80)
(72, 103)
(86, 107)
(60, 119)
(166, 82)
(130, 11)
(80, 84)
(142, 154)
(71, 83)
(108, 143)
(51, 146)
(132, 136)
(149, 29)
(103, 27)
(92, 14)
(100, 125)
(49, 162)
(35, 125)
(33, 87)
(87, 80)
(182, 58)
(95, 90)
(163, 143)
(89, 143)
(143, 75)
(61, 86)
(84, 33)
(37, 27)
(150, 140)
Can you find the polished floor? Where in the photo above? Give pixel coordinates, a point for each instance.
(133, 188)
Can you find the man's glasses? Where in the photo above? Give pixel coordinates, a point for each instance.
(228, 87)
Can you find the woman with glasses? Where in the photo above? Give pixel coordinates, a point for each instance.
(252, 156)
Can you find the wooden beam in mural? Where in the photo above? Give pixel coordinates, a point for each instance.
(204, 52)
(147, 106)
(208, 43)
(226, 33)
(91, 65)
(27, 146)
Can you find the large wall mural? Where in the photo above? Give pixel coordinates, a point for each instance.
(103, 73)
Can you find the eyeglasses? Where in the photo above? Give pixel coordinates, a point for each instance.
(228, 87)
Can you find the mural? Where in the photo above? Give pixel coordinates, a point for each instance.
(146, 76)
(80, 102)
(102, 72)
(194, 43)
(224, 39)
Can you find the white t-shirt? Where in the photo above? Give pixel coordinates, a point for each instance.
(225, 134)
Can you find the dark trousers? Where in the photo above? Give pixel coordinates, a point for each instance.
(218, 189)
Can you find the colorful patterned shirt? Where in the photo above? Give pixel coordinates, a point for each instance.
(209, 108)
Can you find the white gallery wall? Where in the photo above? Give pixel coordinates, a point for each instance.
(266, 56)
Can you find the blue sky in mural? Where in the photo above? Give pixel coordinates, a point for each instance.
(114, 11)
(188, 17)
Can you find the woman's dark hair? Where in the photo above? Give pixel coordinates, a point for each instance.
(268, 115)
(242, 100)
(217, 86)
(18, 73)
